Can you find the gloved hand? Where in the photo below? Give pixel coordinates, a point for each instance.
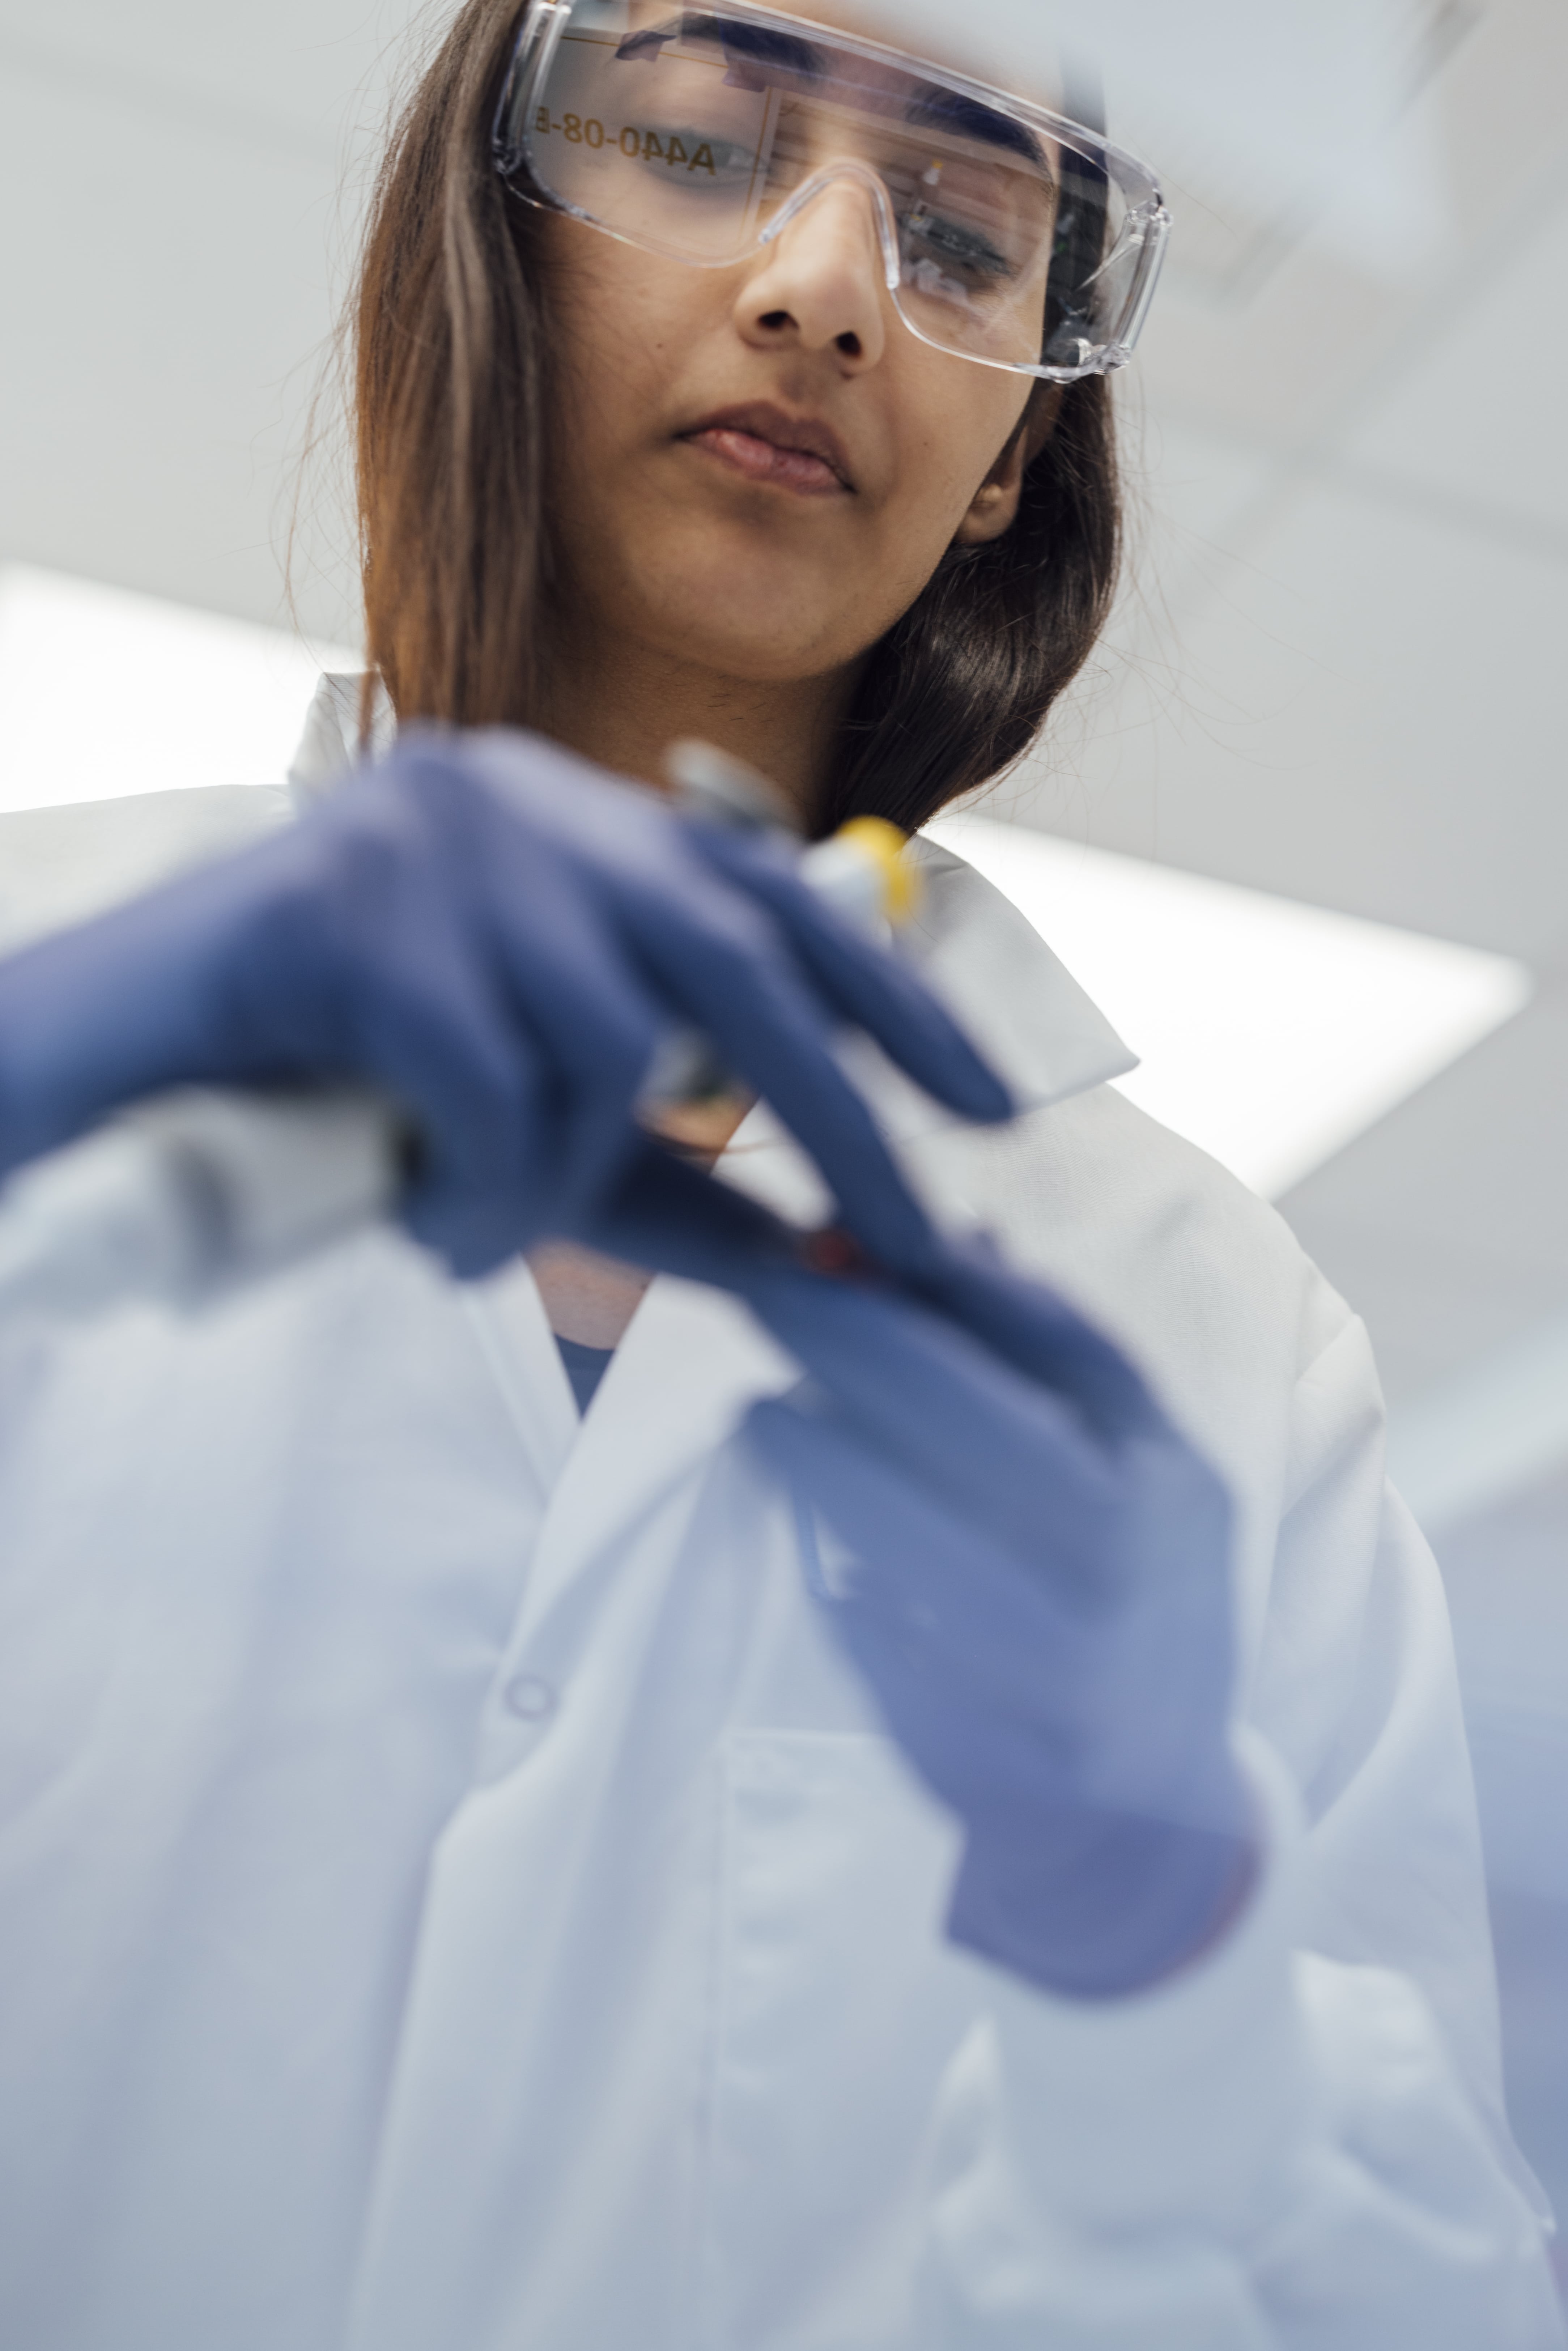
(1039, 1598)
(498, 934)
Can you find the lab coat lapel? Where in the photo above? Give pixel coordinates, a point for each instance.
(681, 1383)
(1020, 1004)
(513, 1331)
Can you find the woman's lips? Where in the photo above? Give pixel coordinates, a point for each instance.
(764, 461)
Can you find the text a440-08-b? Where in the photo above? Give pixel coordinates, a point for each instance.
(637, 146)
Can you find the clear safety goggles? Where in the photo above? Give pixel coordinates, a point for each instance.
(1007, 234)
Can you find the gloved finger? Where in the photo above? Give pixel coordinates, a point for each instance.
(862, 982)
(581, 1012)
(993, 1621)
(358, 954)
(479, 1171)
(425, 1023)
(458, 935)
(668, 1217)
(729, 980)
(1040, 1333)
(966, 1427)
(629, 840)
(980, 1711)
(572, 990)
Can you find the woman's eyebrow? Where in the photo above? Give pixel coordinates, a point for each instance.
(949, 109)
(753, 44)
(759, 45)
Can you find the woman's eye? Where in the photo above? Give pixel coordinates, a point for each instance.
(965, 255)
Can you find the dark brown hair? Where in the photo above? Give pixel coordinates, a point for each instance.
(452, 415)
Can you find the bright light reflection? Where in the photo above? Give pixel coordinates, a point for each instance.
(106, 692)
(1270, 1032)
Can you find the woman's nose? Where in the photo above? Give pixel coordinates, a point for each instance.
(820, 284)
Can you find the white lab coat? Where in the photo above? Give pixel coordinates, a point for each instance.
(456, 1896)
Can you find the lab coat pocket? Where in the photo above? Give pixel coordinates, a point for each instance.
(839, 2006)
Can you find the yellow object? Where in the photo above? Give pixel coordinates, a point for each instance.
(882, 843)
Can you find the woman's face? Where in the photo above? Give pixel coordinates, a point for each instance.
(758, 468)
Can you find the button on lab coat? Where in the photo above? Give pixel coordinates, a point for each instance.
(455, 1896)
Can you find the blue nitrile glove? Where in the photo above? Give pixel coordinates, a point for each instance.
(498, 934)
(1038, 1595)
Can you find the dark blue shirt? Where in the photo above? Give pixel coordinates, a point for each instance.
(585, 1368)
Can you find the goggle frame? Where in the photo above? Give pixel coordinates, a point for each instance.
(1145, 231)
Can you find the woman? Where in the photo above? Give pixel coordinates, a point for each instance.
(910, 1857)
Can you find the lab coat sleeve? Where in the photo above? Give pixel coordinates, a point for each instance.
(1296, 2142)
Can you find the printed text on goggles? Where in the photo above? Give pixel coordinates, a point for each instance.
(1008, 234)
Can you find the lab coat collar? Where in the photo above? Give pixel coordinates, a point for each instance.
(1021, 1006)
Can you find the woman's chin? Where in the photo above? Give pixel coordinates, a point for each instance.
(761, 622)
